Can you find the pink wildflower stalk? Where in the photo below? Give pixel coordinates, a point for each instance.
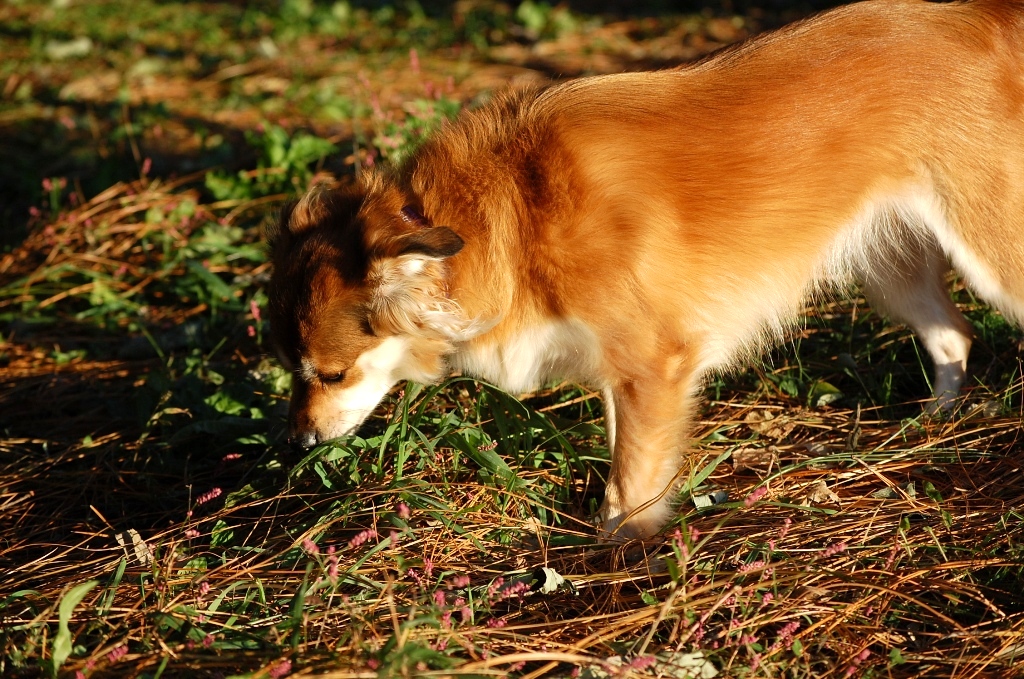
(281, 669)
(212, 494)
(310, 547)
(642, 662)
(362, 537)
(833, 549)
(332, 564)
(756, 495)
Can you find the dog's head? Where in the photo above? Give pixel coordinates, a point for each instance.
(358, 303)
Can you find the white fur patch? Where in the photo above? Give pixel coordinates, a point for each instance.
(558, 349)
(381, 368)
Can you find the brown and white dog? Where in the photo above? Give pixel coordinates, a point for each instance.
(637, 232)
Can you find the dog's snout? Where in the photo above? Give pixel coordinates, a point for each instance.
(302, 441)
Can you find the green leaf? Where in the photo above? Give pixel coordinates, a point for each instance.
(931, 491)
(62, 642)
(798, 647)
(222, 534)
(896, 657)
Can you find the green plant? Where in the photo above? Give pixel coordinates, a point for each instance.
(284, 166)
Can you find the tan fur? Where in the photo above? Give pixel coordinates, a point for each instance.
(637, 231)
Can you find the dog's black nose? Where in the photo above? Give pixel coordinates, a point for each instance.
(302, 442)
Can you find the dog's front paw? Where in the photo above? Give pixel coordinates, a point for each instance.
(616, 523)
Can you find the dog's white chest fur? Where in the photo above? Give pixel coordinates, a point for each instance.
(565, 349)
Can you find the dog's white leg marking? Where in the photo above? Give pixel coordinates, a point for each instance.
(909, 287)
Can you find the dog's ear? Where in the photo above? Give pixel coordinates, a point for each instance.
(408, 287)
(297, 216)
(314, 208)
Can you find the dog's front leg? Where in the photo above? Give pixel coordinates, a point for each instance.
(649, 420)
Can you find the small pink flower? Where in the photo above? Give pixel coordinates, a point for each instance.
(439, 597)
(834, 549)
(785, 528)
(459, 581)
(488, 446)
(403, 511)
(191, 533)
(373, 663)
(79, 674)
(212, 494)
(496, 623)
(641, 663)
(208, 641)
(362, 537)
(231, 457)
(204, 588)
(147, 164)
(494, 587)
(310, 546)
(864, 655)
(756, 495)
(254, 309)
(251, 330)
(281, 669)
(117, 653)
(47, 184)
(428, 568)
(466, 613)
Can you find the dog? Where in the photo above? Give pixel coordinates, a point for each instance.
(638, 232)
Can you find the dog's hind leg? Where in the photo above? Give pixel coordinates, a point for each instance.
(908, 285)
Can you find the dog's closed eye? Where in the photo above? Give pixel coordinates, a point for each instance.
(411, 214)
(333, 378)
